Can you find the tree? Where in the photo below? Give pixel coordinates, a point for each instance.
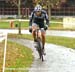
(18, 4)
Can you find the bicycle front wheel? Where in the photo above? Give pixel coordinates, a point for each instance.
(40, 49)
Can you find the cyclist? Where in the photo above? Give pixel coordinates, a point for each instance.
(37, 19)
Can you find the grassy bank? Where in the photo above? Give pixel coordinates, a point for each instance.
(25, 25)
(18, 56)
(7, 25)
(63, 41)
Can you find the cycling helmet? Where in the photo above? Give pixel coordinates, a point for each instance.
(38, 8)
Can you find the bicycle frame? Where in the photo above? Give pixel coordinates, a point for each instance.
(38, 33)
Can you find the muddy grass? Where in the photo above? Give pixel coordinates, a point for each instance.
(17, 56)
(1, 56)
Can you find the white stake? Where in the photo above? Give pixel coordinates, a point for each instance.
(5, 53)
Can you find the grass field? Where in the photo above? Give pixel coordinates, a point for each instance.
(18, 56)
(25, 24)
(5, 25)
(63, 41)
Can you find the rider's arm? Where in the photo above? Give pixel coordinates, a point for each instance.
(47, 20)
(31, 19)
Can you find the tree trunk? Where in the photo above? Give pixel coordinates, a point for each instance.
(19, 15)
(49, 10)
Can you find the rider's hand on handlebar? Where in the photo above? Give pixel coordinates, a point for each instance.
(46, 27)
(30, 29)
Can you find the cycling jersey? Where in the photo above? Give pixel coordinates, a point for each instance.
(39, 20)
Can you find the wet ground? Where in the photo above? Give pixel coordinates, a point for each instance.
(49, 32)
(57, 59)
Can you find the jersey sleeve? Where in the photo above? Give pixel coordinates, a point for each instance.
(47, 19)
(31, 19)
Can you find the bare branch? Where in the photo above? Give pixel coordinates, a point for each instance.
(15, 2)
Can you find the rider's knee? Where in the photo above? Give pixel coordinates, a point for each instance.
(43, 35)
(33, 31)
(34, 28)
